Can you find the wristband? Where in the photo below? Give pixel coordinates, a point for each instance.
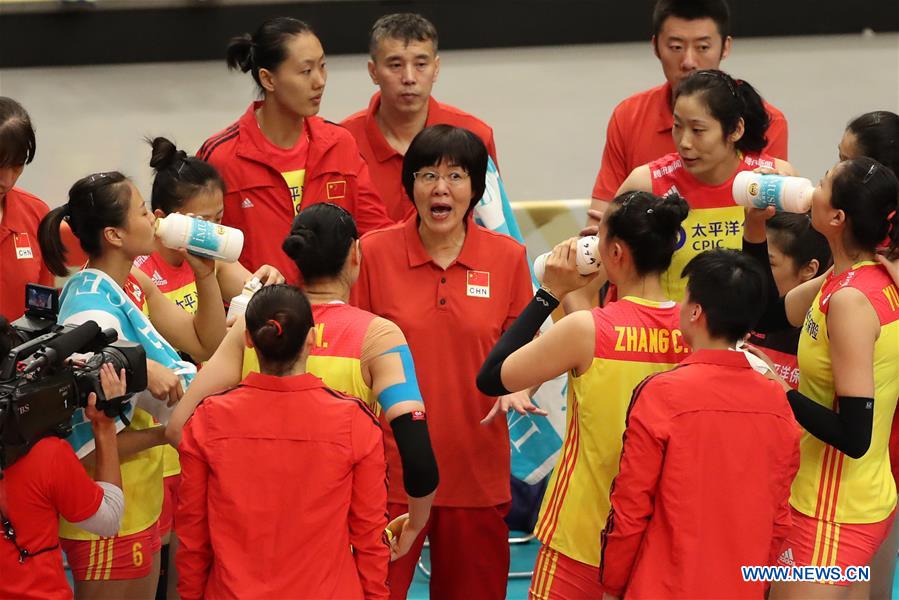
(545, 297)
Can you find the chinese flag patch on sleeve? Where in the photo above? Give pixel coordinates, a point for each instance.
(336, 190)
(478, 284)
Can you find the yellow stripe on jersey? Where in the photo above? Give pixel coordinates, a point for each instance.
(830, 485)
(142, 484)
(91, 560)
(339, 373)
(703, 229)
(576, 503)
(544, 572)
(110, 544)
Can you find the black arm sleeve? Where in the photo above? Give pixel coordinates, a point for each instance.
(522, 331)
(420, 476)
(849, 430)
(774, 317)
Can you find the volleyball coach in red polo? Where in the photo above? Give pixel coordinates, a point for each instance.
(453, 287)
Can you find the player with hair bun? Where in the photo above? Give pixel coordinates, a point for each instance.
(284, 465)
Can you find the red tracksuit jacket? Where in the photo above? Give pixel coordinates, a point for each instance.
(710, 450)
(257, 199)
(283, 494)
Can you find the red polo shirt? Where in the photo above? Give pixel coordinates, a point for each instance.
(45, 483)
(451, 318)
(640, 132)
(386, 164)
(20, 254)
(282, 494)
(710, 451)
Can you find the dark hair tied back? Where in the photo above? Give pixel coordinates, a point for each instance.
(320, 239)
(868, 193)
(877, 136)
(649, 225)
(279, 318)
(95, 202)
(728, 101)
(240, 53)
(179, 177)
(266, 48)
(165, 154)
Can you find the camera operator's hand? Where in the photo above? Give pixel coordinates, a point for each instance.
(99, 420)
(163, 383)
(113, 385)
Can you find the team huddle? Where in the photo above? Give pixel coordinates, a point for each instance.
(732, 371)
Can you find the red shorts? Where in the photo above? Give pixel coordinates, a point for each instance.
(119, 557)
(817, 543)
(169, 503)
(557, 576)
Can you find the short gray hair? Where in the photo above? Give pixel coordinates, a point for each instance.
(408, 27)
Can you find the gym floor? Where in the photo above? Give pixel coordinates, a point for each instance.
(523, 558)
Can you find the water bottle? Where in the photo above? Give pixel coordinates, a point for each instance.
(755, 362)
(201, 238)
(238, 304)
(785, 194)
(587, 258)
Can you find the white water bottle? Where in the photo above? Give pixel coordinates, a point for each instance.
(785, 194)
(587, 258)
(238, 304)
(201, 238)
(755, 362)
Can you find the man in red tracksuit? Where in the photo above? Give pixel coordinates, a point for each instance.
(710, 450)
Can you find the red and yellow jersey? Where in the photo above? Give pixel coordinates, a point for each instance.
(141, 483)
(336, 357)
(715, 220)
(639, 132)
(178, 284)
(831, 486)
(634, 339)
(141, 472)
